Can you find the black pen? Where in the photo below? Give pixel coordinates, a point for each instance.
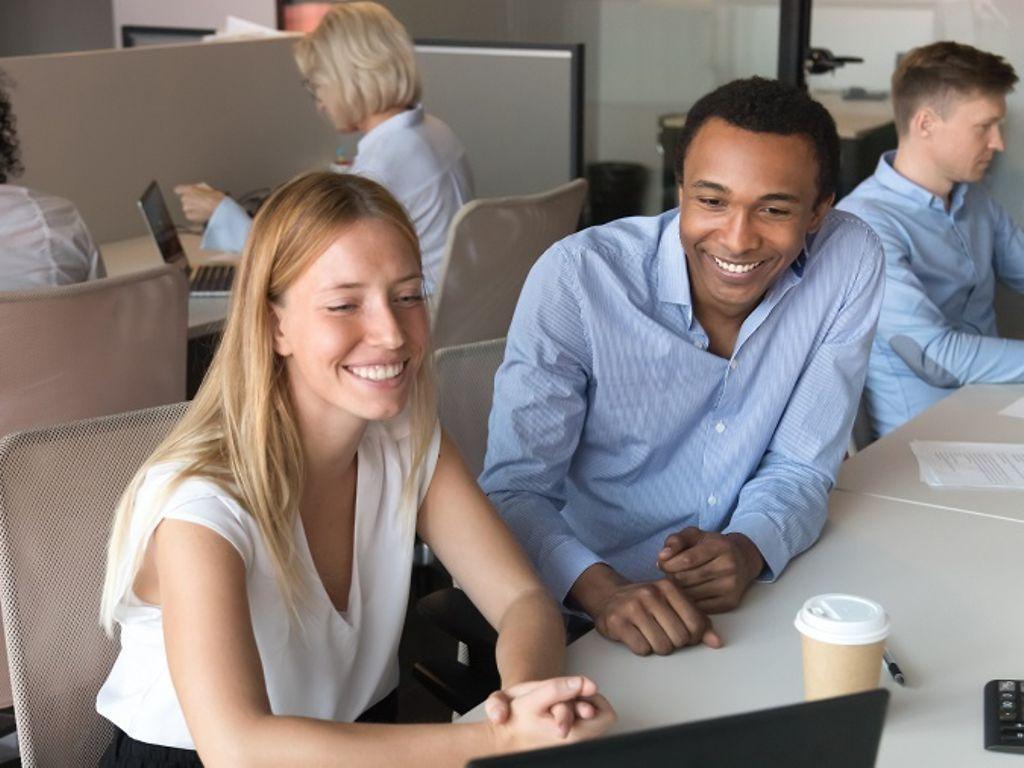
(894, 669)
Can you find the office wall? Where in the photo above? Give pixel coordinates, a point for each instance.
(644, 58)
(48, 26)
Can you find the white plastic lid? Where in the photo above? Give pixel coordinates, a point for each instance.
(843, 620)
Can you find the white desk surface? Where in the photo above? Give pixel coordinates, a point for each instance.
(206, 314)
(944, 577)
(888, 468)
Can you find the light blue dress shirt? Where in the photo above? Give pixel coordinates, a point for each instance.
(417, 157)
(613, 426)
(937, 330)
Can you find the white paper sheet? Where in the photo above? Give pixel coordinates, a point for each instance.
(970, 465)
(1014, 409)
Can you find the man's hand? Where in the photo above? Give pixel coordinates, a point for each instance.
(199, 201)
(647, 617)
(713, 569)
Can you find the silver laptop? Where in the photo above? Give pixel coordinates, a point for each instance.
(206, 280)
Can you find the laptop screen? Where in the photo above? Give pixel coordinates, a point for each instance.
(839, 733)
(158, 218)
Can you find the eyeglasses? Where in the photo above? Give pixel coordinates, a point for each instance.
(309, 86)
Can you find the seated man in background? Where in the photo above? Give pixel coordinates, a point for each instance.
(946, 240)
(43, 240)
(678, 390)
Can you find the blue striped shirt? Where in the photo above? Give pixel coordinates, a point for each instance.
(937, 329)
(613, 426)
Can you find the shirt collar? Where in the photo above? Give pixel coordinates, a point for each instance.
(673, 278)
(889, 177)
(406, 119)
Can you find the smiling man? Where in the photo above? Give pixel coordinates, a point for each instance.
(946, 240)
(678, 391)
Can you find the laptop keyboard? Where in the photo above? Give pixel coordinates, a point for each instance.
(212, 278)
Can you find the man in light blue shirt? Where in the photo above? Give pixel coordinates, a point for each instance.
(678, 391)
(946, 240)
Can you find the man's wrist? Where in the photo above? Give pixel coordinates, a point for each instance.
(752, 558)
(593, 587)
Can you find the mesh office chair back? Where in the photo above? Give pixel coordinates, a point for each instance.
(59, 487)
(492, 244)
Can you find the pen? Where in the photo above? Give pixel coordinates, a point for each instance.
(889, 663)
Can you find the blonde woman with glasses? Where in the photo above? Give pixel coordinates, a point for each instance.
(259, 562)
(359, 66)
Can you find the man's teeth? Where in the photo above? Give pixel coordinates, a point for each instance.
(738, 269)
(377, 372)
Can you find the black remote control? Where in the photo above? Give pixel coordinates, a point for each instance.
(1004, 715)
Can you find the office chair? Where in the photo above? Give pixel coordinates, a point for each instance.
(492, 244)
(92, 349)
(59, 487)
(465, 386)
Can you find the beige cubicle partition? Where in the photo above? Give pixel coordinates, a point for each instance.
(96, 127)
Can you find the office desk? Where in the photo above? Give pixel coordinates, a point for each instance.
(887, 468)
(206, 314)
(943, 577)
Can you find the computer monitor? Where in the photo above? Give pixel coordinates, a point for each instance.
(133, 35)
(839, 733)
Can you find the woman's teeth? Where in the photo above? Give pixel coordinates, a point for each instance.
(377, 372)
(737, 269)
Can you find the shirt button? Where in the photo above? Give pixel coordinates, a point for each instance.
(719, 427)
(733, 365)
(698, 344)
(712, 500)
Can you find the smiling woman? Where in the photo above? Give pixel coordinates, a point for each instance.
(260, 560)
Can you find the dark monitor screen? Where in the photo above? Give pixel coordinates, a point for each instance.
(839, 733)
(161, 226)
(133, 36)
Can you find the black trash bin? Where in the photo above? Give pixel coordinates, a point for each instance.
(616, 190)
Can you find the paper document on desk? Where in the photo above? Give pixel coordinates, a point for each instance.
(1015, 408)
(970, 465)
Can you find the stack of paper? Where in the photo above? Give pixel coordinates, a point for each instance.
(970, 465)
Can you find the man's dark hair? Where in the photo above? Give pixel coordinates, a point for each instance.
(10, 164)
(932, 72)
(760, 105)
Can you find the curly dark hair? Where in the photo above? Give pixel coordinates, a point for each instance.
(10, 159)
(761, 105)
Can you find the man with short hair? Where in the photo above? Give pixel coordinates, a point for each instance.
(678, 390)
(946, 240)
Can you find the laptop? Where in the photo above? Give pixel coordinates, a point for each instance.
(839, 733)
(206, 280)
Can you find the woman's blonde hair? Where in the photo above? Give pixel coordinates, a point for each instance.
(241, 431)
(362, 55)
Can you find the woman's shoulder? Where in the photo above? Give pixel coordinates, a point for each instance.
(170, 492)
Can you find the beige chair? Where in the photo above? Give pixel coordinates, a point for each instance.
(58, 490)
(91, 349)
(465, 388)
(492, 244)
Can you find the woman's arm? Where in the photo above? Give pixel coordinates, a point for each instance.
(218, 678)
(460, 525)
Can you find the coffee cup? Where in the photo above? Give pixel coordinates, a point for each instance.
(843, 640)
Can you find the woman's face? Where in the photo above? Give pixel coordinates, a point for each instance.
(353, 327)
(329, 105)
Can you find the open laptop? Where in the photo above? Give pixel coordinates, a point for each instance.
(839, 733)
(206, 280)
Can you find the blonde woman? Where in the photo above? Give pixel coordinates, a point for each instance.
(259, 562)
(360, 67)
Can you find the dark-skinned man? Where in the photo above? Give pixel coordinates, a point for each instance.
(678, 391)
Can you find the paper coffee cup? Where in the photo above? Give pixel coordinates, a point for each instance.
(843, 640)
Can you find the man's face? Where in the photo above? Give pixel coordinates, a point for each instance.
(962, 143)
(746, 203)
